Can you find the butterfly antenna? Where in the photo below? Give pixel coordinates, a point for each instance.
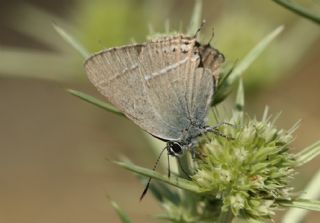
(199, 29)
(153, 169)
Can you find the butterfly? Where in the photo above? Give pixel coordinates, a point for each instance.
(165, 86)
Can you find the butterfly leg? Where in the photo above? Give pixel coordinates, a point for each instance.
(215, 127)
(222, 135)
(193, 153)
(215, 130)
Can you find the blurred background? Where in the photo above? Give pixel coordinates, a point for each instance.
(55, 148)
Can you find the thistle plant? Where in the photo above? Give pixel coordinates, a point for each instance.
(242, 172)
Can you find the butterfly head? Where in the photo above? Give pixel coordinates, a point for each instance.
(175, 149)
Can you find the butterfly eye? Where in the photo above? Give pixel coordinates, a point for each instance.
(175, 149)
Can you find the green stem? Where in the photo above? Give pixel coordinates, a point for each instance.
(185, 167)
(72, 41)
(95, 101)
(225, 217)
(298, 10)
(173, 180)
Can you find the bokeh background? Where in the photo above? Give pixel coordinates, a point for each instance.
(55, 149)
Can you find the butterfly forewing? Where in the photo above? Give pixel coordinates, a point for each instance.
(158, 85)
(117, 74)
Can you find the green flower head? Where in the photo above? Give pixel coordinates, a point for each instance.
(249, 173)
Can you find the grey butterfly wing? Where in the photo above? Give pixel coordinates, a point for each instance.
(189, 84)
(202, 92)
(168, 64)
(153, 84)
(118, 75)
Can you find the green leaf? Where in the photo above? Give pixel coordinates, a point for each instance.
(311, 205)
(162, 193)
(95, 101)
(308, 153)
(195, 21)
(72, 41)
(159, 190)
(224, 88)
(253, 54)
(122, 215)
(239, 106)
(298, 9)
(312, 191)
(173, 180)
